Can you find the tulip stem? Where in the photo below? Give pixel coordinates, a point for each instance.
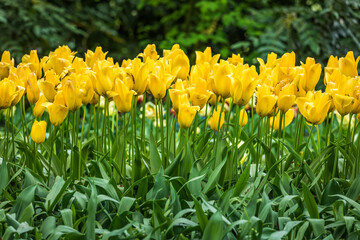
(338, 147)
(123, 165)
(51, 151)
(143, 123)
(168, 139)
(156, 120)
(319, 139)
(258, 146)
(218, 133)
(279, 140)
(162, 132)
(81, 140)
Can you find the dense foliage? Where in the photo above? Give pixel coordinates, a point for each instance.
(252, 28)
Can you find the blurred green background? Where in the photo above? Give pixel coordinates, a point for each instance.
(124, 27)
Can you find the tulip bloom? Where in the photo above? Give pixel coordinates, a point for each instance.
(186, 115)
(311, 76)
(48, 85)
(39, 108)
(140, 74)
(122, 96)
(314, 106)
(105, 77)
(33, 61)
(206, 57)
(10, 94)
(32, 89)
(223, 80)
(57, 110)
(243, 118)
(286, 97)
(348, 65)
(214, 119)
(149, 53)
(289, 116)
(92, 57)
(244, 87)
(266, 101)
(5, 64)
(159, 80)
(38, 132)
(71, 93)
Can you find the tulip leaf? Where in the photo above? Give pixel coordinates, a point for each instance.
(155, 160)
(310, 203)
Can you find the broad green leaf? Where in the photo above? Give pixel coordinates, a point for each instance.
(310, 202)
(56, 193)
(91, 213)
(242, 181)
(214, 228)
(155, 160)
(214, 176)
(203, 220)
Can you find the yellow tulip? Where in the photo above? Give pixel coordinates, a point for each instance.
(199, 95)
(266, 101)
(243, 119)
(214, 119)
(160, 81)
(348, 65)
(149, 53)
(5, 64)
(38, 132)
(343, 104)
(32, 89)
(244, 86)
(333, 63)
(314, 106)
(270, 62)
(10, 94)
(57, 110)
(92, 57)
(71, 93)
(287, 118)
(86, 92)
(343, 95)
(186, 115)
(180, 64)
(33, 62)
(39, 108)
(206, 57)
(286, 97)
(105, 77)
(177, 91)
(122, 96)
(311, 76)
(58, 60)
(223, 80)
(48, 85)
(140, 73)
(236, 59)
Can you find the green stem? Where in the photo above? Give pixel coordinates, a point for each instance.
(338, 147)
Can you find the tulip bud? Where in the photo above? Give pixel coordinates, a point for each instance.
(38, 132)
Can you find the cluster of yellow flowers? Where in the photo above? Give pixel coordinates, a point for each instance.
(62, 82)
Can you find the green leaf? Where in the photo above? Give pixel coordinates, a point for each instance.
(242, 181)
(310, 203)
(91, 211)
(215, 227)
(214, 176)
(354, 190)
(4, 177)
(155, 160)
(56, 192)
(203, 220)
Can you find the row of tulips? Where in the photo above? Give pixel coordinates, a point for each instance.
(213, 92)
